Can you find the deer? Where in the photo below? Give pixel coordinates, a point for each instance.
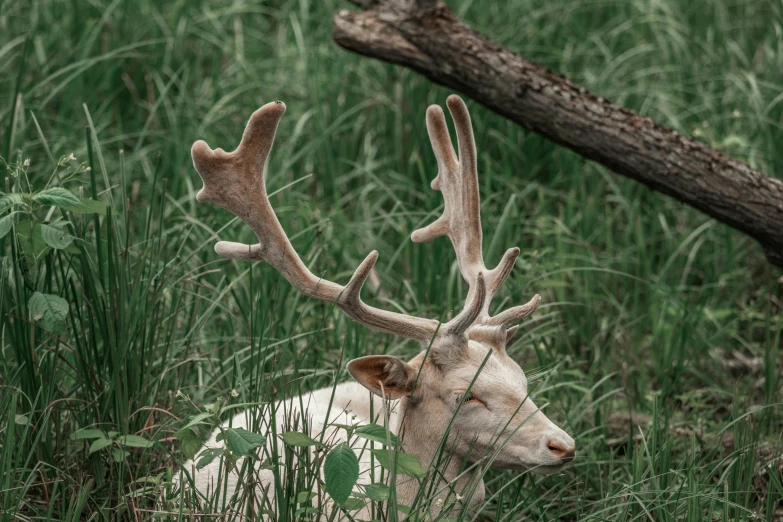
(462, 395)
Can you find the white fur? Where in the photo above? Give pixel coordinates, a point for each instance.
(501, 428)
(350, 406)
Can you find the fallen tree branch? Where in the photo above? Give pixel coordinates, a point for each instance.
(426, 36)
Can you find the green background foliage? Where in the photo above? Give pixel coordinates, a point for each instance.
(658, 343)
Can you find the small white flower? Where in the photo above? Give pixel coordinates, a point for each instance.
(736, 113)
(234, 393)
(697, 132)
(88, 169)
(26, 162)
(71, 157)
(179, 393)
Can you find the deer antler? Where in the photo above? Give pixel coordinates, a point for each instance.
(235, 182)
(457, 180)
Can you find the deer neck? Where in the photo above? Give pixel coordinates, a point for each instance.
(422, 438)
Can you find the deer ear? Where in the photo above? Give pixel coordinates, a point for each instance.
(384, 375)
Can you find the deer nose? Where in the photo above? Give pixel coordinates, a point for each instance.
(564, 452)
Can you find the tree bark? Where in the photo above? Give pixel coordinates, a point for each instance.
(426, 36)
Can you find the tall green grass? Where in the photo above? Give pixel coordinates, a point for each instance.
(650, 307)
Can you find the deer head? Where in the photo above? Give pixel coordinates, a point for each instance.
(465, 379)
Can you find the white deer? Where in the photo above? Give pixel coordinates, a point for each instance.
(463, 382)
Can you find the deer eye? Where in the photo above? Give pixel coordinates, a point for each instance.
(469, 398)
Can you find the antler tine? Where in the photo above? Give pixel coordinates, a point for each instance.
(514, 315)
(457, 180)
(473, 306)
(235, 182)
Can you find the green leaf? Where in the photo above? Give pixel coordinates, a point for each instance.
(347, 427)
(143, 492)
(152, 479)
(196, 420)
(190, 441)
(56, 238)
(377, 433)
(56, 196)
(48, 311)
(118, 454)
(305, 496)
(714, 315)
(230, 460)
(377, 492)
(89, 206)
(207, 456)
(10, 200)
(241, 441)
(405, 463)
(73, 249)
(134, 441)
(29, 269)
(6, 224)
(30, 239)
(21, 420)
(214, 408)
(294, 438)
(99, 444)
(352, 504)
(341, 470)
(87, 433)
